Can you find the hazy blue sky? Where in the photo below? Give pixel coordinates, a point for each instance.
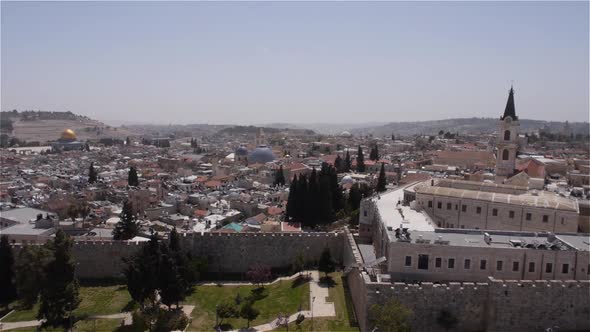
(228, 62)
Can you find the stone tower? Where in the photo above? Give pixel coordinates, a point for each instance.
(507, 141)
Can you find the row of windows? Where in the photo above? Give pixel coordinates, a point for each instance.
(423, 264)
(511, 214)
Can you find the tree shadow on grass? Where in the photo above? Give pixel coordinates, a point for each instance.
(257, 294)
(300, 280)
(328, 282)
(226, 327)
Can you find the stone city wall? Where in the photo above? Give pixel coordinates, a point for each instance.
(497, 305)
(98, 259)
(236, 252)
(225, 252)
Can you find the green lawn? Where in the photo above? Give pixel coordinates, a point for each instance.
(282, 297)
(89, 325)
(95, 301)
(343, 308)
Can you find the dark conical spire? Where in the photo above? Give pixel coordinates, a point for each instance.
(510, 109)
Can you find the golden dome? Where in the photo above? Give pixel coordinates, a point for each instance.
(68, 134)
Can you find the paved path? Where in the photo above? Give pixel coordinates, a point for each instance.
(247, 283)
(317, 298)
(125, 316)
(15, 325)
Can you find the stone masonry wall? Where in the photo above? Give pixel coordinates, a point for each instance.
(236, 252)
(230, 253)
(498, 305)
(527, 305)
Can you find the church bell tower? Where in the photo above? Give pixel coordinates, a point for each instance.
(507, 140)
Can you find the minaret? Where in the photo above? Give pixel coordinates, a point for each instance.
(507, 141)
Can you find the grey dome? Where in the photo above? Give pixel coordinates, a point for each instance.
(262, 154)
(241, 151)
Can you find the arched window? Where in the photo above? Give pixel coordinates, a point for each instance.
(507, 135)
(505, 155)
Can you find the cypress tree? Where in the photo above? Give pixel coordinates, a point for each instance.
(91, 174)
(127, 228)
(292, 199)
(132, 179)
(311, 211)
(339, 164)
(279, 177)
(347, 162)
(141, 273)
(381, 181)
(360, 161)
(326, 210)
(374, 155)
(301, 200)
(60, 294)
(7, 279)
(336, 190)
(170, 283)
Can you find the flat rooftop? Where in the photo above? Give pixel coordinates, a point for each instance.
(542, 200)
(393, 214)
(580, 242)
(499, 239)
(23, 215)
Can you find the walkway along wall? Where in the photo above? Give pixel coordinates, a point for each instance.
(497, 305)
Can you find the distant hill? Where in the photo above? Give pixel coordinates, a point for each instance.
(45, 126)
(464, 126)
(251, 130)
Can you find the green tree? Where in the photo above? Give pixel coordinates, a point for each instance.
(141, 274)
(279, 177)
(128, 141)
(391, 317)
(299, 262)
(311, 211)
(301, 200)
(347, 162)
(248, 312)
(374, 154)
(127, 228)
(132, 179)
(225, 310)
(326, 210)
(92, 177)
(381, 181)
(73, 211)
(392, 137)
(326, 263)
(360, 161)
(447, 320)
(292, 199)
(7, 279)
(170, 283)
(60, 292)
(30, 275)
(339, 164)
(356, 194)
